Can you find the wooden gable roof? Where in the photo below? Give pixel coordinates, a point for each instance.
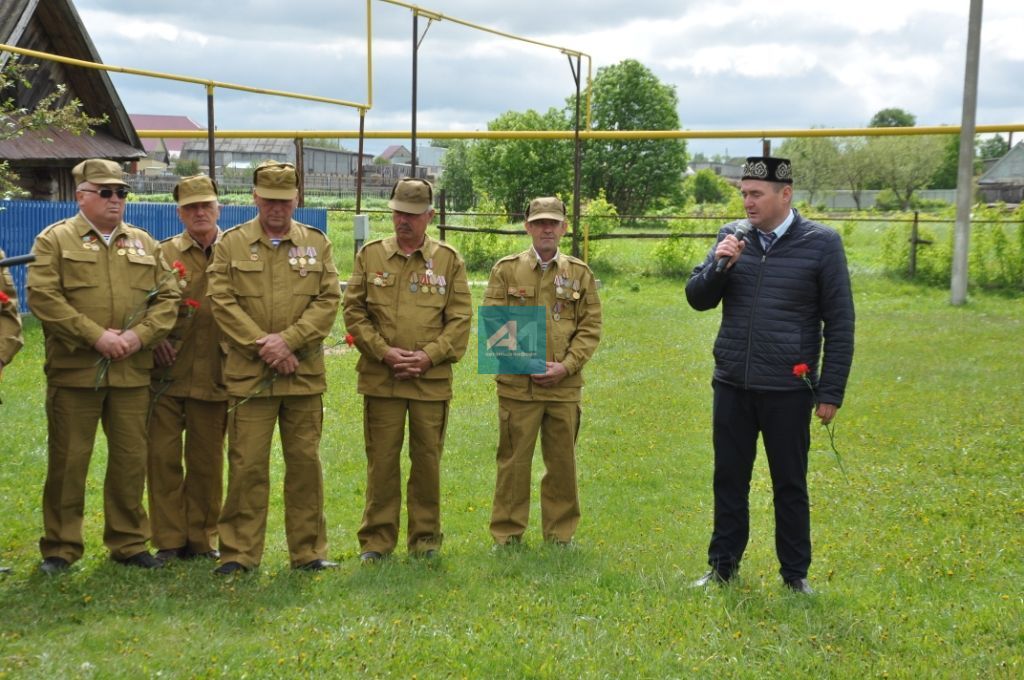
(54, 26)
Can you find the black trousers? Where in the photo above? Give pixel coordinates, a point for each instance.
(783, 420)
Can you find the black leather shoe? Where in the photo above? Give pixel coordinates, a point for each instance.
(54, 565)
(168, 554)
(799, 585)
(371, 557)
(230, 568)
(190, 554)
(318, 565)
(713, 576)
(143, 560)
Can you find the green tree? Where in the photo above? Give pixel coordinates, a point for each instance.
(854, 168)
(814, 163)
(992, 147)
(893, 117)
(184, 167)
(704, 186)
(457, 178)
(50, 112)
(945, 174)
(634, 174)
(513, 171)
(905, 164)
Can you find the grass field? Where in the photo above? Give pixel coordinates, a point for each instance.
(918, 551)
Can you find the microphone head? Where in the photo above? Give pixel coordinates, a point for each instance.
(742, 229)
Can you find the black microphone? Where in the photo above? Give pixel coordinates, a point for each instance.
(742, 229)
(15, 260)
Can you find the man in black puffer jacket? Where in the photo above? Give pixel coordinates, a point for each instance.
(784, 288)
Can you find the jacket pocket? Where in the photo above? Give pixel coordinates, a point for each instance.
(79, 268)
(247, 277)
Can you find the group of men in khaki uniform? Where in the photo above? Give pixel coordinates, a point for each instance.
(229, 340)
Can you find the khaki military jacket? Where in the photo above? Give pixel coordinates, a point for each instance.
(196, 372)
(257, 289)
(419, 301)
(10, 321)
(572, 324)
(81, 285)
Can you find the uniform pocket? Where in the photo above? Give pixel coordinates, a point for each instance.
(79, 268)
(246, 277)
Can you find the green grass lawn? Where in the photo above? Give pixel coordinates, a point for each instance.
(918, 551)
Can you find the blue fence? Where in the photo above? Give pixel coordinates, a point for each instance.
(21, 221)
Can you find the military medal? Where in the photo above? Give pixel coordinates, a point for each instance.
(575, 289)
(557, 311)
(441, 283)
(311, 251)
(413, 282)
(253, 254)
(378, 280)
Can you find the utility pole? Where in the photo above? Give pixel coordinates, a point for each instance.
(965, 171)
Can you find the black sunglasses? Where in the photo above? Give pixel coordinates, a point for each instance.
(107, 193)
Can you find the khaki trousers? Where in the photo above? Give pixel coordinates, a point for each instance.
(72, 414)
(186, 478)
(243, 520)
(519, 422)
(384, 432)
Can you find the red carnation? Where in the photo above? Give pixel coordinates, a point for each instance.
(801, 370)
(179, 267)
(4, 298)
(194, 304)
(350, 339)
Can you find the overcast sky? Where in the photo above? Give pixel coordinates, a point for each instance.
(735, 64)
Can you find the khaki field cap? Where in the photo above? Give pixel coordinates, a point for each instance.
(411, 195)
(195, 189)
(276, 180)
(98, 171)
(546, 208)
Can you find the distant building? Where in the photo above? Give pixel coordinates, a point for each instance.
(731, 170)
(246, 153)
(168, 150)
(1004, 181)
(429, 162)
(45, 166)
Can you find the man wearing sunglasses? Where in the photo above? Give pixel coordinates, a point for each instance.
(105, 297)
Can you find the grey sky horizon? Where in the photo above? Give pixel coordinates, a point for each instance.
(736, 65)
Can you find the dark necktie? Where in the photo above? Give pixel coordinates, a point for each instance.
(767, 240)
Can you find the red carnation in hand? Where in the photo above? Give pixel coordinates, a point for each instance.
(801, 370)
(350, 339)
(4, 298)
(194, 304)
(179, 267)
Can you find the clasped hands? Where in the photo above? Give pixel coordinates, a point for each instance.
(274, 351)
(116, 344)
(407, 364)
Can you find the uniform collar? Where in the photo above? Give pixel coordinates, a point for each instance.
(254, 232)
(426, 250)
(84, 226)
(533, 259)
(188, 242)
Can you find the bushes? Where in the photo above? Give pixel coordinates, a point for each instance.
(996, 258)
